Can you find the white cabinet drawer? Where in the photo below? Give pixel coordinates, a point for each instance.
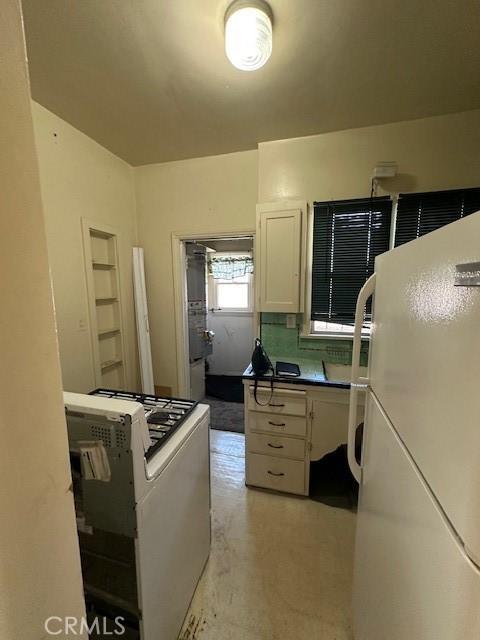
(276, 446)
(280, 402)
(276, 473)
(279, 424)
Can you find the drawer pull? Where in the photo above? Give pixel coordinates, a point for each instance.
(275, 446)
(272, 473)
(272, 404)
(276, 424)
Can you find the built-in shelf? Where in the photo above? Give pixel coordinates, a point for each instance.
(105, 304)
(105, 300)
(97, 233)
(107, 332)
(108, 364)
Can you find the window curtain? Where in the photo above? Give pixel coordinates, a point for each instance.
(230, 267)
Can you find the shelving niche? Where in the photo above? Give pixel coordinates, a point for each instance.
(104, 301)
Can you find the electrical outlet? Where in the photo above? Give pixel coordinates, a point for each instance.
(82, 324)
(291, 321)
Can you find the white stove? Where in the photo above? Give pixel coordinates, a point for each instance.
(144, 533)
(163, 415)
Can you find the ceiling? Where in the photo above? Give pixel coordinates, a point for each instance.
(149, 80)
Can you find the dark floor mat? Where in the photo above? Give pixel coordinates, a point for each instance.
(228, 388)
(225, 416)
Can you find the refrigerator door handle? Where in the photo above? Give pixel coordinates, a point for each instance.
(357, 382)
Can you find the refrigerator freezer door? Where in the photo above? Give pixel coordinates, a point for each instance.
(425, 365)
(412, 579)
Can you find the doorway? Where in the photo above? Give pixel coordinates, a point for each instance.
(219, 323)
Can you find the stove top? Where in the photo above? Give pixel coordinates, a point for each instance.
(164, 415)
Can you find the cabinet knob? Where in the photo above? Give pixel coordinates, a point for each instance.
(275, 446)
(272, 473)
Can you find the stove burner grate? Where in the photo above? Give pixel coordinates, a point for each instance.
(164, 415)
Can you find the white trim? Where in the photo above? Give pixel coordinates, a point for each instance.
(305, 331)
(393, 221)
(180, 296)
(305, 263)
(256, 288)
(141, 316)
(332, 336)
(180, 314)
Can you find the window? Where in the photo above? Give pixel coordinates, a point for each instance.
(234, 294)
(322, 327)
(347, 237)
(420, 213)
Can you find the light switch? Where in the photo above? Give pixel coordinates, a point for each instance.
(291, 321)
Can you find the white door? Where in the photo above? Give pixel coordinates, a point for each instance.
(425, 364)
(412, 579)
(281, 240)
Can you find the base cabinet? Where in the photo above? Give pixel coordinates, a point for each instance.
(274, 472)
(287, 429)
(278, 446)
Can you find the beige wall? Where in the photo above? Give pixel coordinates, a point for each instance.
(204, 195)
(39, 559)
(209, 195)
(219, 193)
(79, 178)
(432, 153)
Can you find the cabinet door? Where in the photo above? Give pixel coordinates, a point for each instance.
(281, 240)
(330, 419)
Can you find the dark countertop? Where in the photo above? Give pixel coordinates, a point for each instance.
(308, 376)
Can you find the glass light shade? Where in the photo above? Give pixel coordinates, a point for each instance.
(248, 38)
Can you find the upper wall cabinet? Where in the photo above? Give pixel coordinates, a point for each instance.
(280, 263)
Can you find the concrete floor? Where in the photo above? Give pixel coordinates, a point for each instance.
(280, 567)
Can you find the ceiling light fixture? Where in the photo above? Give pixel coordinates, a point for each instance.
(248, 34)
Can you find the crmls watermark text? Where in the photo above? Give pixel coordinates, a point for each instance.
(72, 626)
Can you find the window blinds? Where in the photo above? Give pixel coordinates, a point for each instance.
(421, 213)
(347, 237)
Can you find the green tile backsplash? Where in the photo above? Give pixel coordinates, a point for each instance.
(287, 343)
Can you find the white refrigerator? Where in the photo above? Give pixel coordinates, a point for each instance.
(417, 551)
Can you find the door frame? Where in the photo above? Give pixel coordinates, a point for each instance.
(180, 297)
